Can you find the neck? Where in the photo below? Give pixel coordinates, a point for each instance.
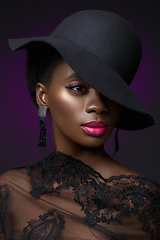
(92, 156)
(95, 157)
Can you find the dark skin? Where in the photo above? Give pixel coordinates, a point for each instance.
(71, 103)
(69, 108)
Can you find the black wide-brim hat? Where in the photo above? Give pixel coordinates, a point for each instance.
(105, 51)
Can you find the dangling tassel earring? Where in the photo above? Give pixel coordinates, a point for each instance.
(43, 134)
(116, 143)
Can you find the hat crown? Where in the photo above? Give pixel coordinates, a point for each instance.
(106, 35)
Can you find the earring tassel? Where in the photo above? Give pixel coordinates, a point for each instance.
(42, 136)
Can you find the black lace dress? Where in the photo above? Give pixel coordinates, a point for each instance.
(59, 197)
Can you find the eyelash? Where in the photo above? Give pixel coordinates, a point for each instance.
(77, 85)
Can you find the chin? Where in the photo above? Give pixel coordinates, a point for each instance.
(94, 142)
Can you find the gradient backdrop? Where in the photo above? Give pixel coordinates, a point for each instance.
(139, 150)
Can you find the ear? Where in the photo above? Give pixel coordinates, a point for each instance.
(41, 91)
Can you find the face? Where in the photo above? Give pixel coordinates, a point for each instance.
(79, 114)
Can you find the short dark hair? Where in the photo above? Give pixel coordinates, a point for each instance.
(41, 60)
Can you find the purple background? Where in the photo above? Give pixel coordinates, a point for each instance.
(139, 150)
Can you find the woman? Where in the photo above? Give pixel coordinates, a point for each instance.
(80, 75)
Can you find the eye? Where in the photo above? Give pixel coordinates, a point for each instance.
(77, 88)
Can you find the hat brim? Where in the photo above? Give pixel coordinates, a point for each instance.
(103, 78)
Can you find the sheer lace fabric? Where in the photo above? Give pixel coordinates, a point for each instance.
(59, 197)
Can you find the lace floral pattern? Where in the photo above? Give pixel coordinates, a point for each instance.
(4, 196)
(48, 226)
(102, 200)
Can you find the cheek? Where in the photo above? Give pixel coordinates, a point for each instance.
(63, 106)
(116, 110)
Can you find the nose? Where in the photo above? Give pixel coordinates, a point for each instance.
(95, 103)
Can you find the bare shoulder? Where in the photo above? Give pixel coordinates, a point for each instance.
(114, 168)
(124, 170)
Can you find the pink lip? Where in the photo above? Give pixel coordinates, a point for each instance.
(95, 124)
(95, 128)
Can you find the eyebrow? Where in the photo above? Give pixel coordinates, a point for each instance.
(74, 75)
